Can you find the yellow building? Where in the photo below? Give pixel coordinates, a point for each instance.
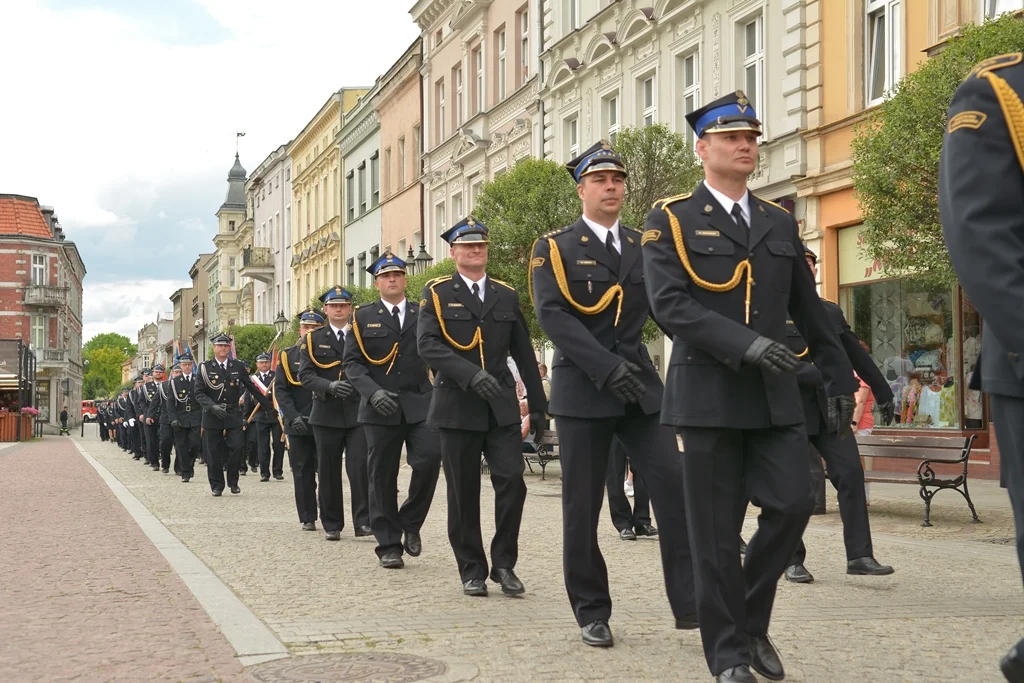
(317, 200)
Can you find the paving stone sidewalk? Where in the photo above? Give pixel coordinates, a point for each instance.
(84, 594)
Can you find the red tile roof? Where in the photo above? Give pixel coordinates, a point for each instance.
(20, 215)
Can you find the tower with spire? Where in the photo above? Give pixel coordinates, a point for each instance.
(225, 288)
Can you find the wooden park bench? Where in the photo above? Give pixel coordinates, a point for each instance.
(929, 451)
(547, 450)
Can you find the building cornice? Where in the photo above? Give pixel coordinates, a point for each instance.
(358, 128)
(256, 177)
(316, 125)
(833, 179)
(426, 12)
(505, 111)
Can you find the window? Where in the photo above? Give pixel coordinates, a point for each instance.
(648, 101)
(417, 146)
(401, 162)
(753, 64)
(572, 137)
(375, 179)
(362, 269)
(882, 52)
(231, 272)
(350, 272)
(438, 37)
(387, 172)
(401, 249)
(332, 194)
(474, 192)
(362, 188)
(457, 207)
(439, 91)
(38, 338)
(690, 71)
(231, 226)
(611, 115)
(501, 64)
(524, 47)
(39, 270)
(316, 205)
(440, 225)
(478, 89)
(288, 222)
(574, 14)
(993, 8)
(287, 174)
(457, 79)
(309, 210)
(350, 195)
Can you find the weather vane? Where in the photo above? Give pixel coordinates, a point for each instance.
(238, 135)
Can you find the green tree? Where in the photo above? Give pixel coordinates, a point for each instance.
(252, 340)
(103, 374)
(896, 155)
(660, 164)
(93, 387)
(111, 339)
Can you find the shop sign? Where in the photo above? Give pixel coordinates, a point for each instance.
(854, 265)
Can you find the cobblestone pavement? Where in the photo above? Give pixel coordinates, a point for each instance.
(949, 613)
(84, 595)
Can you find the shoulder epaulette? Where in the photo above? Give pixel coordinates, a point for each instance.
(828, 300)
(553, 233)
(768, 201)
(503, 283)
(356, 307)
(438, 280)
(662, 203)
(631, 228)
(993, 63)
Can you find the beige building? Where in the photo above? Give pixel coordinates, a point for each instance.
(399, 107)
(316, 199)
(200, 331)
(480, 106)
(230, 298)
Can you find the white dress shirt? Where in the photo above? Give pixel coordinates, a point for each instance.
(482, 282)
(401, 310)
(335, 330)
(727, 203)
(602, 232)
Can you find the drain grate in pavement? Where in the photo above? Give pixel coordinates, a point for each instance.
(378, 667)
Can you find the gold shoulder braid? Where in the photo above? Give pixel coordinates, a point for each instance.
(287, 371)
(1013, 111)
(558, 268)
(744, 265)
(392, 355)
(312, 356)
(478, 337)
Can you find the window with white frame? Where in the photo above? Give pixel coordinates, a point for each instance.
(457, 207)
(39, 270)
(524, 45)
(648, 100)
(375, 179)
(439, 92)
(882, 52)
(689, 68)
(753, 63)
(361, 173)
(572, 137)
(39, 331)
(574, 15)
(611, 116)
(474, 193)
(387, 172)
(478, 89)
(401, 162)
(501, 64)
(440, 226)
(417, 147)
(231, 272)
(350, 195)
(457, 77)
(993, 8)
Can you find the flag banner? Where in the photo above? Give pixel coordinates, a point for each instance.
(259, 385)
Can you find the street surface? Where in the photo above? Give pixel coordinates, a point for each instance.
(87, 595)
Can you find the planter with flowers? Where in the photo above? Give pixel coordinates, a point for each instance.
(9, 424)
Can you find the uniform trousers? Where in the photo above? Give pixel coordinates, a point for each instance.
(224, 450)
(331, 443)
(423, 448)
(502, 448)
(847, 476)
(186, 449)
(251, 449)
(153, 443)
(165, 439)
(1008, 417)
(722, 469)
(268, 438)
(625, 516)
(585, 446)
(139, 440)
(302, 458)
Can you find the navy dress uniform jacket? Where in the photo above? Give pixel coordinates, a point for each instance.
(376, 337)
(708, 384)
(215, 385)
(503, 329)
(292, 397)
(589, 347)
(320, 356)
(182, 404)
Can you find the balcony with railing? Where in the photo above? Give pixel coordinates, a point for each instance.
(258, 263)
(51, 357)
(46, 295)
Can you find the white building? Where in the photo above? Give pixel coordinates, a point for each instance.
(267, 258)
(359, 144)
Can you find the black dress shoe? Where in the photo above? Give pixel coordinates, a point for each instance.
(392, 561)
(867, 566)
(235, 489)
(797, 573)
(334, 535)
(646, 530)
(688, 622)
(253, 468)
(765, 658)
(309, 526)
(185, 478)
(510, 583)
(1012, 665)
(363, 531)
(737, 674)
(413, 543)
(627, 534)
(476, 587)
(242, 473)
(597, 634)
(264, 478)
(818, 510)
(156, 468)
(216, 493)
(279, 477)
(166, 470)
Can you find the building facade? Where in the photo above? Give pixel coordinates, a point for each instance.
(266, 254)
(359, 146)
(480, 103)
(229, 297)
(41, 301)
(201, 329)
(399, 107)
(316, 199)
(182, 319)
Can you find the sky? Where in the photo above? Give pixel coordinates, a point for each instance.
(122, 114)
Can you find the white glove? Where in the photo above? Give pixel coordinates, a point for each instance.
(131, 422)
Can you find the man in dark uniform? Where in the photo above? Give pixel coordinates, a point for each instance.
(250, 449)
(268, 428)
(150, 428)
(382, 362)
(588, 289)
(157, 423)
(334, 418)
(185, 415)
(841, 455)
(723, 267)
(101, 420)
(218, 389)
(295, 401)
(629, 520)
(123, 413)
(469, 325)
(981, 202)
(137, 404)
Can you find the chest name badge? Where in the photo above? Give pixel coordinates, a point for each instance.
(455, 304)
(373, 324)
(707, 233)
(586, 263)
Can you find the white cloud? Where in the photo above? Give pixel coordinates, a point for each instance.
(125, 307)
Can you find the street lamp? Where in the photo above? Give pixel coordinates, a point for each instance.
(281, 323)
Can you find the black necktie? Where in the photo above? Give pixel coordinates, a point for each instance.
(476, 290)
(398, 320)
(341, 335)
(737, 213)
(609, 244)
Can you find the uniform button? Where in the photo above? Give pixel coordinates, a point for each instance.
(689, 358)
(756, 312)
(1012, 356)
(711, 248)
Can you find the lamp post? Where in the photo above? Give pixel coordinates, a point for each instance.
(281, 323)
